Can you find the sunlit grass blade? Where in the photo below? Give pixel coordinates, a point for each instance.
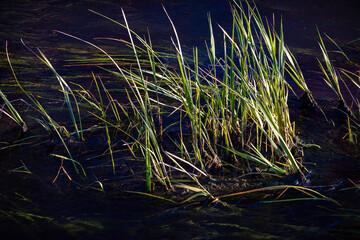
(314, 195)
(13, 113)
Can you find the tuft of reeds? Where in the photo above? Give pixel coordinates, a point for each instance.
(333, 77)
(239, 104)
(232, 112)
(45, 120)
(66, 90)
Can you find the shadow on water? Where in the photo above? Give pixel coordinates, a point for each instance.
(33, 207)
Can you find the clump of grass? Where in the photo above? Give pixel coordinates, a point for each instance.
(66, 90)
(333, 77)
(232, 113)
(45, 120)
(255, 68)
(236, 109)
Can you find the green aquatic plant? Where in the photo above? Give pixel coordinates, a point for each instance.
(46, 120)
(252, 93)
(333, 77)
(233, 112)
(254, 80)
(66, 90)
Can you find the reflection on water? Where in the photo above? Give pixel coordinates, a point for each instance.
(92, 216)
(82, 214)
(34, 22)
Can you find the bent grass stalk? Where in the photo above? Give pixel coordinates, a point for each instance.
(313, 195)
(13, 114)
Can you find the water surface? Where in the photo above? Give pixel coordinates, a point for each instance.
(33, 207)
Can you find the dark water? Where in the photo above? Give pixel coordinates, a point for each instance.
(31, 206)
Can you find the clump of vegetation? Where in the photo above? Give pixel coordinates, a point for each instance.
(232, 113)
(334, 77)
